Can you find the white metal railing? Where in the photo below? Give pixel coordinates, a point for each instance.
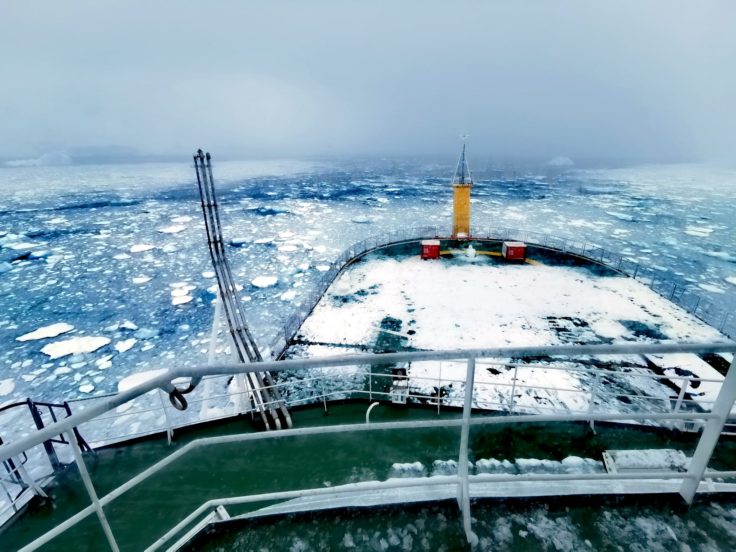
(713, 419)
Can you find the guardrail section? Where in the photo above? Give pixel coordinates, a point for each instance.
(463, 484)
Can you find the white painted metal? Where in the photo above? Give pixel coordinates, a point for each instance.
(82, 467)
(368, 412)
(711, 434)
(593, 395)
(513, 391)
(21, 470)
(689, 481)
(169, 429)
(164, 379)
(463, 489)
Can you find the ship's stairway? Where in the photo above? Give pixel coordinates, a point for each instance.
(21, 477)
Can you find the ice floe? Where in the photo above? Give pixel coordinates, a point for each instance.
(6, 387)
(138, 378)
(125, 345)
(699, 231)
(73, 346)
(712, 288)
(173, 229)
(264, 281)
(47, 331)
(724, 255)
(141, 248)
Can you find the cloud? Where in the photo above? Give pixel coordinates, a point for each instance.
(621, 79)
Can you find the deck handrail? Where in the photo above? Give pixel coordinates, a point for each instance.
(689, 480)
(164, 380)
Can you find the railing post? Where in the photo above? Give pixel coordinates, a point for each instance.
(723, 322)
(169, 430)
(91, 491)
(370, 384)
(322, 388)
(711, 433)
(439, 387)
(681, 395)
(463, 488)
(593, 395)
(48, 446)
(512, 400)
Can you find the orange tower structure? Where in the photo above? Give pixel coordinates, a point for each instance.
(462, 183)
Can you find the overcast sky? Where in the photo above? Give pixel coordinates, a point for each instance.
(639, 79)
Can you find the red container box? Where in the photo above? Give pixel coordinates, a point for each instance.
(430, 249)
(514, 251)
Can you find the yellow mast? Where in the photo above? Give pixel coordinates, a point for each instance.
(462, 183)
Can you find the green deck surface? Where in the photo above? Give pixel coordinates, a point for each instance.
(143, 514)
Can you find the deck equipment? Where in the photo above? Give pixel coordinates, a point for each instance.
(265, 397)
(462, 183)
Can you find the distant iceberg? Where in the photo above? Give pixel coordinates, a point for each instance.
(561, 162)
(50, 159)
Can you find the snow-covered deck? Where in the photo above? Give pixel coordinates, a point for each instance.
(399, 302)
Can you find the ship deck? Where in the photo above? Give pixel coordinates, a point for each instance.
(140, 516)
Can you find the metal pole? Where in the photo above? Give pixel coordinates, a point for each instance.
(322, 387)
(26, 478)
(48, 446)
(370, 384)
(439, 388)
(91, 491)
(463, 489)
(593, 395)
(368, 412)
(169, 429)
(216, 321)
(681, 396)
(711, 433)
(513, 391)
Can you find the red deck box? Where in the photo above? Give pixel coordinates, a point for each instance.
(430, 249)
(514, 251)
